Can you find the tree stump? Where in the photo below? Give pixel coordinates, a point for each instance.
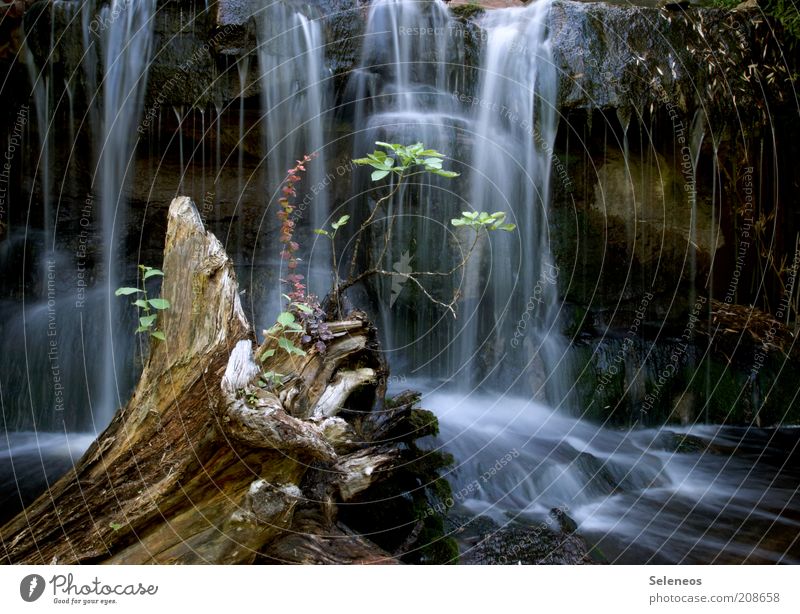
(204, 466)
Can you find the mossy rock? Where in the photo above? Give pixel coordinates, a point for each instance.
(468, 11)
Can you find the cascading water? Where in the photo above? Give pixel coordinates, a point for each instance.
(76, 342)
(297, 95)
(514, 278)
(502, 132)
(636, 494)
(126, 46)
(667, 495)
(412, 63)
(506, 353)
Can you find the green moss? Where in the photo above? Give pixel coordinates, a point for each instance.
(785, 12)
(468, 11)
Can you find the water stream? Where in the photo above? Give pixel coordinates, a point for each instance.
(498, 377)
(297, 99)
(700, 494)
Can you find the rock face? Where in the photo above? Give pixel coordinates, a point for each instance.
(553, 542)
(610, 56)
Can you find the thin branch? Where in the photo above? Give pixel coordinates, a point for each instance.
(367, 222)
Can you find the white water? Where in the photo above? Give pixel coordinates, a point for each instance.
(126, 47)
(297, 96)
(512, 283)
(402, 92)
(629, 491)
(409, 87)
(30, 461)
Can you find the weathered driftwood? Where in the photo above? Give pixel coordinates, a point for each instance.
(204, 466)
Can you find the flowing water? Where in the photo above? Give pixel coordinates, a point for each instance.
(674, 495)
(66, 353)
(412, 85)
(126, 46)
(497, 377)
(297, 97)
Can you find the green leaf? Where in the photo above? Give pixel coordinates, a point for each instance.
(126, 291)
(304, 308)
(340, 222)
(267, 354)
(448, 174)
(295, 328)
(289, 347)
(507, 227)
(158, 335)
(142, 329)
(437, 162)
(378, 175)
(392, 146)
(285, 318)
(153, 273)
(115, 526)
(159, 303)
(147, 321)
(142, 304)
(458, 222)
(473, 215)
(320, 231)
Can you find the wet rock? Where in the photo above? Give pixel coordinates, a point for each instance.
(552, 542)
(529, 546)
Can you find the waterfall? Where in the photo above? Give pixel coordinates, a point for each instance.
(75, 339)
(500, 135)
(126, 45)
(412, 61)
(67, 353)
(513, 280)
(297, 96)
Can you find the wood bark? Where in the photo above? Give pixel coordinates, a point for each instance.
(204, 466)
